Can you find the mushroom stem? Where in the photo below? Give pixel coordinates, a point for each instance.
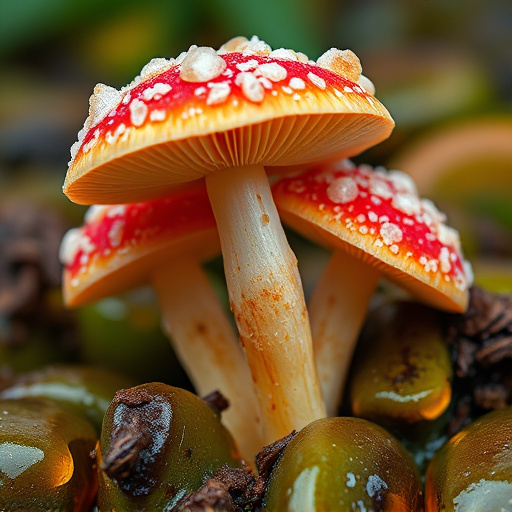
(267, 299)
(337, 310)
(205, 342)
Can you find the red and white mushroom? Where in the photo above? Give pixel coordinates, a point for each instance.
(163, 243)
(224, 115)
(376, 224)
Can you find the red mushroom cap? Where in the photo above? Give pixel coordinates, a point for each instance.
(119, 245)
(378, 216)
(206, 110)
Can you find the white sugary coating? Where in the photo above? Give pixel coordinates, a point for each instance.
(448, 236)
(138, 112)
(380, 188)
(158, 115)
(116, 210)
(297, 83)
(390, 233)
(485, 496)
(402, 182)
(103, 100)
(68, 246)
(112, 138)
(73, 242)
(444, 260)
(318, 81)
(155, 67)
(398, 190)
(89, 145)
(116, 232)
(157, 91)
(375, 484)
(284, 53)
(366, 84)
(201, 65)
(219, 93)
(302, 57)
(249, 65)
(342, 190)
(342, 62)
(265, 82)
(95, 213)
(251, 86)
(255, 46)
(407, 203)
(431, 215)
(273, 71)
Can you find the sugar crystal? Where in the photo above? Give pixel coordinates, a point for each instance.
(201, 65)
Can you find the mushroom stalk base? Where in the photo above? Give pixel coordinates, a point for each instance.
(267, 300)
(337, 309)
(205, 343)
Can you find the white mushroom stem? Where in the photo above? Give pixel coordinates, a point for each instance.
(267, 299)
(205, 342)
(337, 310)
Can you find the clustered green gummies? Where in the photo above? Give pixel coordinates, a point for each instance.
(402, 373)
(344, 464)
(45, 461)
(473, 471)
(158, 444)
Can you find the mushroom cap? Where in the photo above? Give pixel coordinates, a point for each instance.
(378, 216)
(119, 246)
(207, 110)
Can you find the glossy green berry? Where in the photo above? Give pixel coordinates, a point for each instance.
(87, 388)
(124, 333)
(473, 470)
(402, 372)
(45, 458)
(158, 444)
(344, 464)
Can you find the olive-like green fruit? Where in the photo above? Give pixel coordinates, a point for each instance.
(402, 372)
(45, 458)
(344, 464)
(88, 388)
(158, 444)
(124, 333)
(473, 470)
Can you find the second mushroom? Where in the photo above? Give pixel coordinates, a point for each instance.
(375, 224)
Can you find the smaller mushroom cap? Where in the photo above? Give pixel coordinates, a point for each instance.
(378, 216)
(120, 245)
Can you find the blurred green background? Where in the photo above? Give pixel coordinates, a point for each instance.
(433, 61)
(442, 67)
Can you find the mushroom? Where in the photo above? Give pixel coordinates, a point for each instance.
(163, 243)
(224, 115)
(376, 224)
